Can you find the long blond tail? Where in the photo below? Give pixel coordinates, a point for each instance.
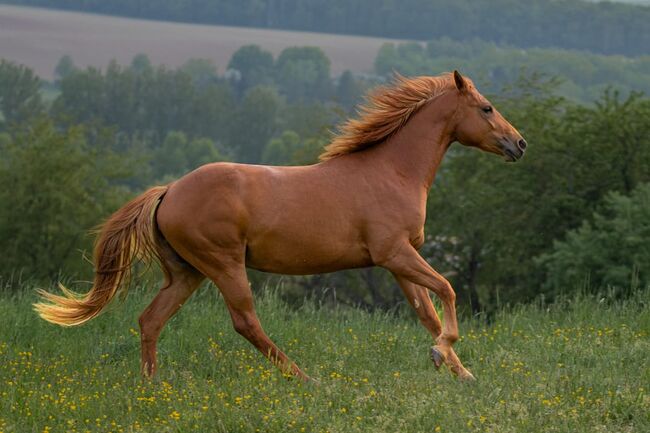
(129, 234)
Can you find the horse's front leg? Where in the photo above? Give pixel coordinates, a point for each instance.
(419, 299)
(410, 267)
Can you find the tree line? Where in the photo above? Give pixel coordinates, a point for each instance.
(583, 76)
(600, 27)
(572, 215)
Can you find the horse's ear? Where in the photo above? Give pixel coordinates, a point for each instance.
(459, 81)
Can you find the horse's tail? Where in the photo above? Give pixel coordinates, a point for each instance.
(129, 234)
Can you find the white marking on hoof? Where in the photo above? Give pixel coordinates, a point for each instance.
(416, 303)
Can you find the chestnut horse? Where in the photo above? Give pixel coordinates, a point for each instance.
(362, 205)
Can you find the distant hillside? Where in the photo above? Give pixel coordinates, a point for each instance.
(38, 38)
(600, 27)
(583, 75)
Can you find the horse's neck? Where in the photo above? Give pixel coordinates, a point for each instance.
(416, 150)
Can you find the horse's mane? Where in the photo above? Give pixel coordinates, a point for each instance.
(387, 109)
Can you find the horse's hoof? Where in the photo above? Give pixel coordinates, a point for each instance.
(437, 357)
(466, 376)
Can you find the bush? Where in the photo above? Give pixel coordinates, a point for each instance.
(610, 250)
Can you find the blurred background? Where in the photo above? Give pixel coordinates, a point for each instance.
(101, 99)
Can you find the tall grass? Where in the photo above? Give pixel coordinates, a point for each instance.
(581, 365)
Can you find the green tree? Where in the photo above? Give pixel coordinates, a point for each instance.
(64, 68)
(255, 123)
(348, 90)
(202, 71)
(609, 249)
(20, 97)
(141, 64)
(290, 149)
(250, 66)
(178, 155)
(55, 189)
(303, 74)
(280, 150)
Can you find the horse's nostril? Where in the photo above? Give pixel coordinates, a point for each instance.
(522, 144)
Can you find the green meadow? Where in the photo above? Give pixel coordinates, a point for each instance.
(579, 365)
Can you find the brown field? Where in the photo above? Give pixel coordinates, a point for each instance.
(38, 38)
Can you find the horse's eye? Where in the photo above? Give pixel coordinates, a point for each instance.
(487, 109)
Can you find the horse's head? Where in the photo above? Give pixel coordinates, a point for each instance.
(479, 124)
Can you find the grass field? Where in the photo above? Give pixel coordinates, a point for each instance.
(578, 366)
(38, 38)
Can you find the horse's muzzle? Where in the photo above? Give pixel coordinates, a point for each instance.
(513, 152)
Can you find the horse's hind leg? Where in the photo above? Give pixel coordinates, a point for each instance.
(233, 284)
(180, 282)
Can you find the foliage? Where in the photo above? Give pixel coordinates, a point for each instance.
(143, 99)
(579, 366)
(251, 66)
(584, 75)
(19, 94)
(255, 123)
(303, 74)
(609, 249)
(178, 155)
(55, 189)
(289, 149)
(64, 68)
(605, 27)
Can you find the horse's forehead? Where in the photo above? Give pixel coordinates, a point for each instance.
(477, 95)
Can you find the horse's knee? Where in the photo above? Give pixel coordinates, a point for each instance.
(446, 292)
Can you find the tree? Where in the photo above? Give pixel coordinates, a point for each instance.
(64, 68)
(255, 123)
(250, 66)
(141, 64)
(20, 97)
(303, 74)
(348, 90)
(178, 155)
(280, 150)
(492, 66)
(202, 71)
(56, 188)
(290, 149)
(609, 249)
(81, 98)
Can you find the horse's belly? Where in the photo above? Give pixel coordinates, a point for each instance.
(302, 256)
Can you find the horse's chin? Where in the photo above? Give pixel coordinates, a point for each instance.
(510, 156)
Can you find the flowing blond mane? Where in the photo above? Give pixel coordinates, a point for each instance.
(387, 109)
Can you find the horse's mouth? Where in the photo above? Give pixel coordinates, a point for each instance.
(511, 152)
(511, 156)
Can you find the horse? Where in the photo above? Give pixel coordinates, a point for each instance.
(363, 204)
